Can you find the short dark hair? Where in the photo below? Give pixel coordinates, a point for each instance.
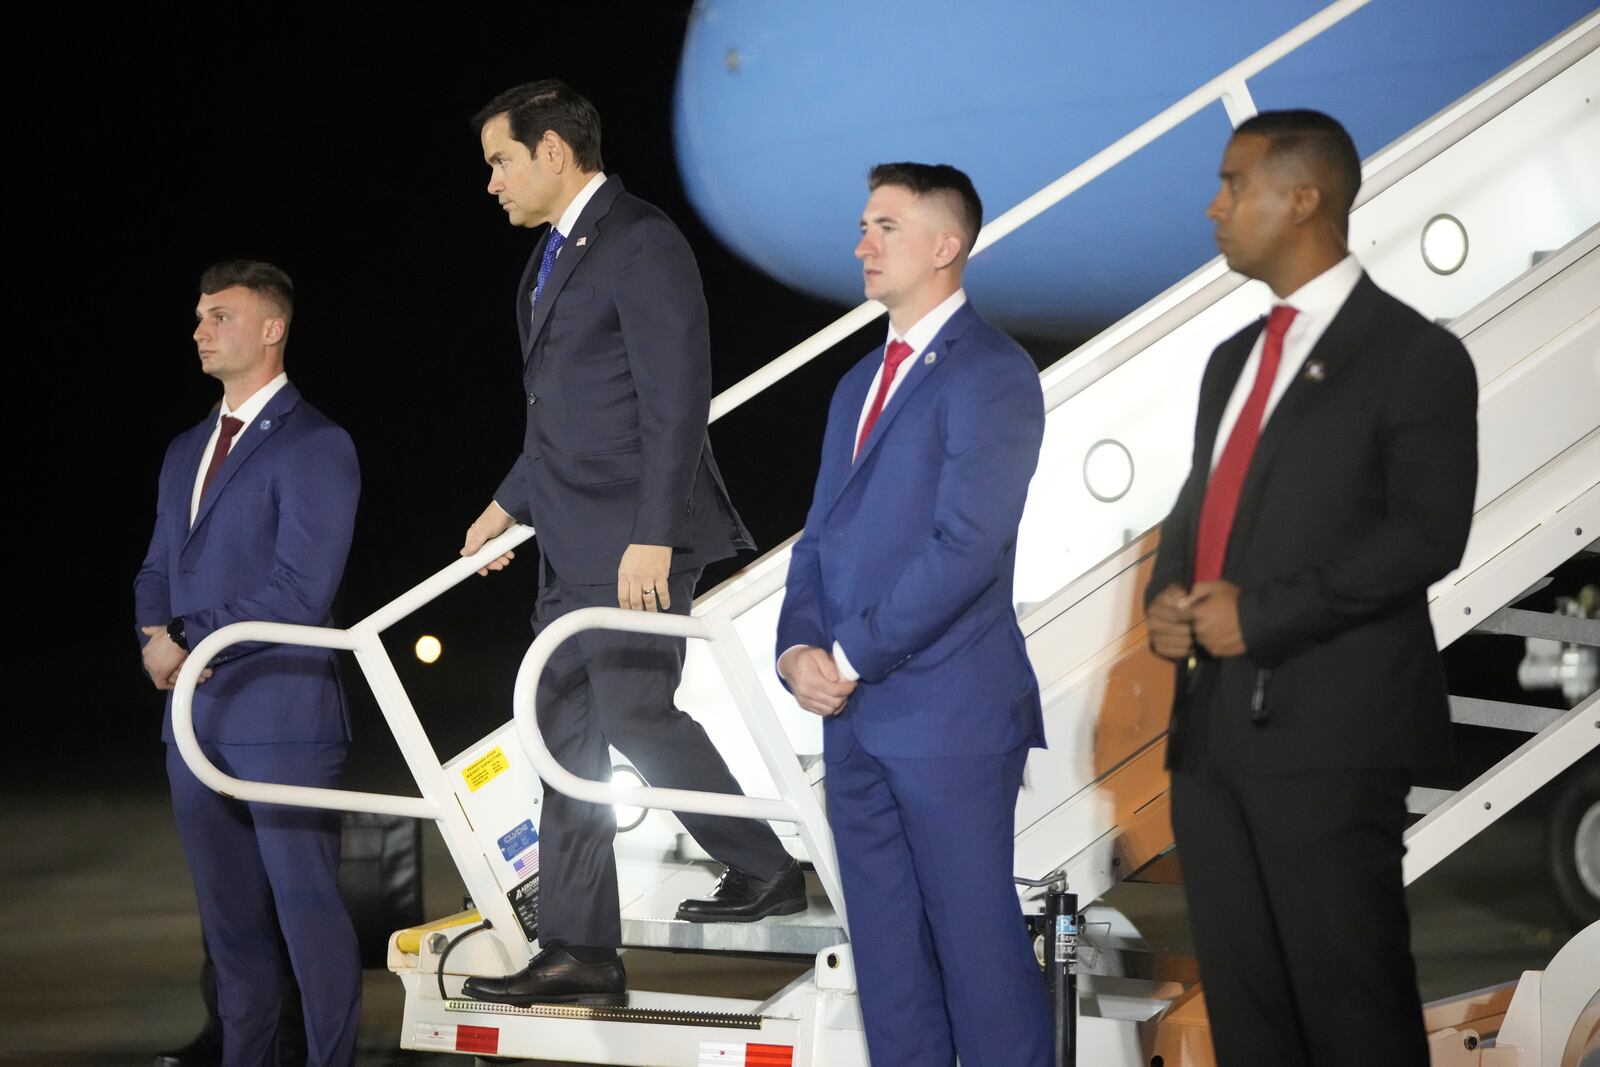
(550, 104)
(941, 179)
(260, 278)
(1320, 143)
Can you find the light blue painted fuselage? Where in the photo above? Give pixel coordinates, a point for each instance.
(782, 108)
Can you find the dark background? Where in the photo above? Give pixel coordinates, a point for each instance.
(347, 159)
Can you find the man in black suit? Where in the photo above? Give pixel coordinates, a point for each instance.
(1335, 461)
(617, 478)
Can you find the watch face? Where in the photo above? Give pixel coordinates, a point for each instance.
(175, 631)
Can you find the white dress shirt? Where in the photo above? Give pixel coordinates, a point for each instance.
(1315, 303)
(569, 217)
(246, 414)
(919, 337)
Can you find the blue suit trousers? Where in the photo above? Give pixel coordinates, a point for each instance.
(944, 965)
(259, 868)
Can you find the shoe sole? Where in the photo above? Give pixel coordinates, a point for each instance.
(793, 907)
(581, 1000)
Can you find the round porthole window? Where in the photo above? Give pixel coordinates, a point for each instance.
(1444, 244)
(1108, 470)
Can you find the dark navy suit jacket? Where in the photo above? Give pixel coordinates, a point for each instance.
(268, 544)
(617, 371)
(909, 550)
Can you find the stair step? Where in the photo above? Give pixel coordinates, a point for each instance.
(1422, 800)
(1569, 629)
(805, 934)
(1503, 715)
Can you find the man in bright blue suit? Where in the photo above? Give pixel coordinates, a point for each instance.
(253, 522)
(898, 628)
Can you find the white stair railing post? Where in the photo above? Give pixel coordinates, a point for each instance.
(779, 756)
(795, 804)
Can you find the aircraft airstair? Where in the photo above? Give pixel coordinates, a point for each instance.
(1513, 164)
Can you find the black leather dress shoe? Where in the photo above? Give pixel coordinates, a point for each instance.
(204, 1051)
(556, 976)
(740, 898)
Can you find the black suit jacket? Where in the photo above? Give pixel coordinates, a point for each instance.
(617, 371)
(1359, 497)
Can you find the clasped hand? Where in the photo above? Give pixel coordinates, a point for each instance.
(1207, 616)
(815, 681)
(163, 659)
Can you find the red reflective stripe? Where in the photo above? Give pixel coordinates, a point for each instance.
(478, 1039)
(768, 1056)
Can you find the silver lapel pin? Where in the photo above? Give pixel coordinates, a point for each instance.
(929, 358)
(266, 424)
(1316, 371)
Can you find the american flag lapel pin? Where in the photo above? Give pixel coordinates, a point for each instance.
(929, 358)
(1315, 370)
(582, 241)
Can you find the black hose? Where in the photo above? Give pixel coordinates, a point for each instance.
(451, 947)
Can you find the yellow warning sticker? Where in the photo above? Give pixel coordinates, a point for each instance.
(483, 770)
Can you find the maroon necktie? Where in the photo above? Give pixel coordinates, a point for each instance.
(230, 427)
(1227, 481)
(893, 356)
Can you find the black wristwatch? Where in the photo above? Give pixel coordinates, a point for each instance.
(175, 631)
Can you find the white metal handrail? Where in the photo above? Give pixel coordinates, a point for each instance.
(799, 805)
(363, 639)
(272, 792)
(1229, 87)
(1211, 281)
(437, 801)
(525, 712)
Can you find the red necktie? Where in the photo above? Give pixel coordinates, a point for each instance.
(893, 356)
(1227, 481)
(230, 427)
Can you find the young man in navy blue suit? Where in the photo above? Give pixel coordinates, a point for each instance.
(898, 628)
(617, 477)
(253, 522)
(1335, 462)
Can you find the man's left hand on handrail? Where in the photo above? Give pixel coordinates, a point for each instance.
(491, 524)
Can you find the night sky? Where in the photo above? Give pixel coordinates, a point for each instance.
(349, 162)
